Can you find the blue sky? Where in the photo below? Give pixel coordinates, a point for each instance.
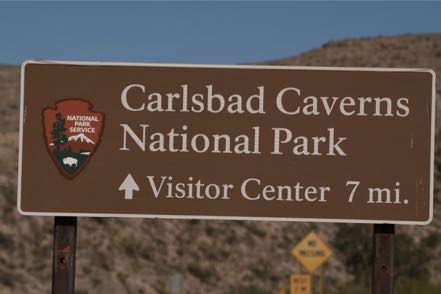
(197, 32)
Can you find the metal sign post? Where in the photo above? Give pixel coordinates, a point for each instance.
(383, 259)
(322, 280)
(63, 268)
(176, 283)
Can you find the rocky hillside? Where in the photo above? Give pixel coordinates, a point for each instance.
(140, 255)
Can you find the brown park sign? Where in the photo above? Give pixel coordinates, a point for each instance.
(227, 142)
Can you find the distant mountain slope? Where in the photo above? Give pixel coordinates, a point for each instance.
(140, 255)
(9, 94)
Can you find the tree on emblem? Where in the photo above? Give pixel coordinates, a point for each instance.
(59, 137)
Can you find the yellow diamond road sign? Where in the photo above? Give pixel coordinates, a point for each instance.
(311, 252)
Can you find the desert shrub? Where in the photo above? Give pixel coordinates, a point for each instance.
(261, 269)
(209, 230)
(231, 238)
(249, 290)
(146, 253)
(351, 288)
(100, 220)
(9, 194)
(194, 222)
(417, 287)
(354, 244)
(403, 287)
(410, 259)
(202, 274)
(256, 230)
(6, 242)
(7, 279)
(431, 241)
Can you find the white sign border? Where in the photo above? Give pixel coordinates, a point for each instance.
(167, 216)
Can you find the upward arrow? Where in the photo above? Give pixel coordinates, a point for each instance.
(128, 185)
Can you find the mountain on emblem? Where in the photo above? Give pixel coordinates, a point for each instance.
(72, 132)
(81, 137)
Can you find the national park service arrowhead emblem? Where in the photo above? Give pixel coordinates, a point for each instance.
(72, 133)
